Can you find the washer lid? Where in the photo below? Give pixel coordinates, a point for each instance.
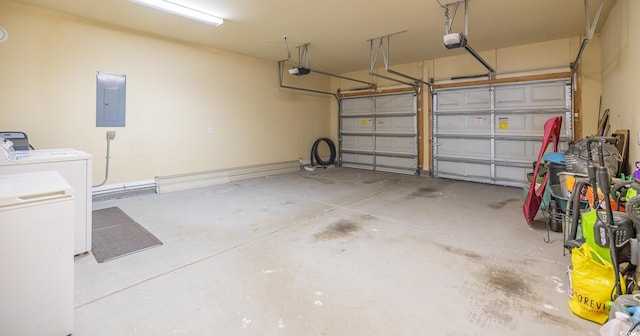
(33, 187)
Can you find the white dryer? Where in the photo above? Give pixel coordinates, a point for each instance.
(36, 237)
(74, 166)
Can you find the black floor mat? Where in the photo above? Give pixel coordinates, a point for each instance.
(116, 235)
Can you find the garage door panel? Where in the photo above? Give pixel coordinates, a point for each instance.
(537, 122)
(357, 106)
(512, 176)
(524, 124)
(355, 142)
(395, 124)
(395, 162)
(380, 133)
(513, 124)
(470, 148)
(358, 158)
(460, 100)
(522, 151)
(357, 125)
(512, 150)
(511, 173)
(528, 95)
(465, 169)
(552, 95)
(510, 96)
(467, 124)
(394, 104)
(507, 136)
(395, 145)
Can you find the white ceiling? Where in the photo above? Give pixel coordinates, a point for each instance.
(338, 30)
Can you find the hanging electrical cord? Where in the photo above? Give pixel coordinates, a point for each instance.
(110, 136)
(316, 155)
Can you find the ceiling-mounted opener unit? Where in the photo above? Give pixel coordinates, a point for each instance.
(302, 68)
(454, 40)
(303, 54)
(459, 40)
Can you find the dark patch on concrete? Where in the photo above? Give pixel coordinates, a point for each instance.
(391, 181)
(426, 192)
(495, 312)
(526, 261)
(558, 320)
(502, 204)
(382, 181)
(461, 252)
(321, 180)
(340, 229)
(498, 312)
(367, 217)
(552, 318)
(508, 282)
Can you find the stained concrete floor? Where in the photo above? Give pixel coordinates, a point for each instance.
(335, 252)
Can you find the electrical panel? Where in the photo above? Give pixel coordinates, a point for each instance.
(110, 99)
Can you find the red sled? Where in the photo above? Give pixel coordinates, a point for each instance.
(534, 195)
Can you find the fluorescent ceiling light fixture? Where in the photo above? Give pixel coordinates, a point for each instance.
(177, 9)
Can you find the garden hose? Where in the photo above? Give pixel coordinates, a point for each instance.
(316, 155)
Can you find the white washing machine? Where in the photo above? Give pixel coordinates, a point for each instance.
(73, 165)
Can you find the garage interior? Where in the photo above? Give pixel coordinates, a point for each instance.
(202, 133)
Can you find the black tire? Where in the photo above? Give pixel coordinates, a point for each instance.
(555, 217)
(633, 209)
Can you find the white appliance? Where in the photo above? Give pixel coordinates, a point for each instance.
(36, 237)
(73, 165)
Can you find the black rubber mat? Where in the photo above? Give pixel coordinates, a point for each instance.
(116, 235)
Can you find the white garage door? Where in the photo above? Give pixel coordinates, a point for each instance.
(380, 133)
(493, 133)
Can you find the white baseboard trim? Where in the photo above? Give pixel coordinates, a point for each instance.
(123, 187)
(171, 183)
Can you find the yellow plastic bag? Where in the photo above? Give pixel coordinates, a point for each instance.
(593, 284)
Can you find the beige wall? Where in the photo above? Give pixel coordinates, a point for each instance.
(590, 81)
(175, 92)
(621, 70)
(537, 58)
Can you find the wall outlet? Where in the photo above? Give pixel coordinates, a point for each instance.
(210, 130)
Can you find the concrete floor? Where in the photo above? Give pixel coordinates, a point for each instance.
(335, 252)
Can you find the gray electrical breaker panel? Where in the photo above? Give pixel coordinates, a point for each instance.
(110, 99)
